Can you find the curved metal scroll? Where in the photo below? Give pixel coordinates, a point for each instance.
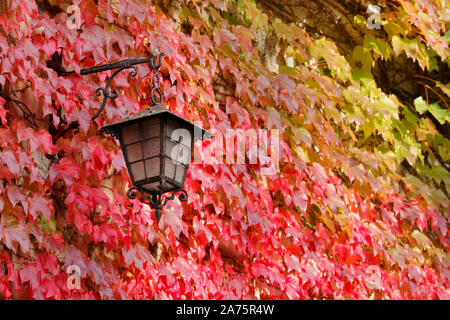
(155, 63)
(183, 196)
(155, 201)
(106, 92)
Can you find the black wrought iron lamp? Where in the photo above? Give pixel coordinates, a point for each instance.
(156, 143)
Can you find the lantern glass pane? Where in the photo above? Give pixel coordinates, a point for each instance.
(137, 170)
(175, 171)
(151, 128)
(151, 147)
(131, 133)
(169, 169)
(179, 174)
(134, 152)
(152, 167)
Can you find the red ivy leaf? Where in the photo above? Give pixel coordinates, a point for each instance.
(14, 233)
(67, 170)
(11, 161)
(29, 273)
(15, 196)
(40, 204)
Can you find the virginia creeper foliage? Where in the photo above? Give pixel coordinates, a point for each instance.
(342, 218)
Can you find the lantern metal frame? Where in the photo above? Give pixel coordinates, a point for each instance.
(154, 199)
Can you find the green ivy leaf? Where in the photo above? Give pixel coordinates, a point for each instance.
(361, 75)
(440, 114)
(288, 70)
(392, 28)
(379, 46)
(362, 54)
(421, 105)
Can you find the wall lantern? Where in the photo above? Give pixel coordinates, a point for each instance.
(156, 143)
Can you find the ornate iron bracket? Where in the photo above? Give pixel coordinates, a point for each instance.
(155, 63)
(155, 200)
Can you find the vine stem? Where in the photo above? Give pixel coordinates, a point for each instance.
(442, 99)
